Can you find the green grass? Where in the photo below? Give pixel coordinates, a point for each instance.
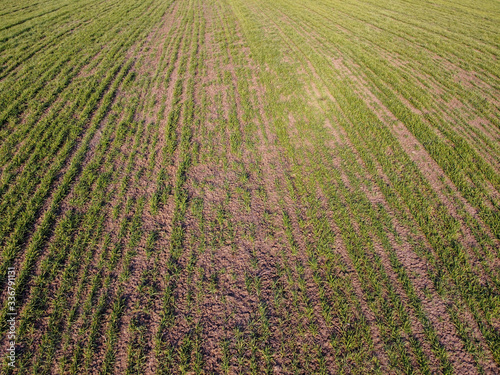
(202, 186)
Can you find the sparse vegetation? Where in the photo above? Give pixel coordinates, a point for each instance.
(263, 187)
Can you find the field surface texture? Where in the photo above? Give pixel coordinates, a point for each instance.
(250, 186)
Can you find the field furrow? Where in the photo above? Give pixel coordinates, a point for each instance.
(250, 187)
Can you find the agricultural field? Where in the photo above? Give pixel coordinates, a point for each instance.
(250, 187)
